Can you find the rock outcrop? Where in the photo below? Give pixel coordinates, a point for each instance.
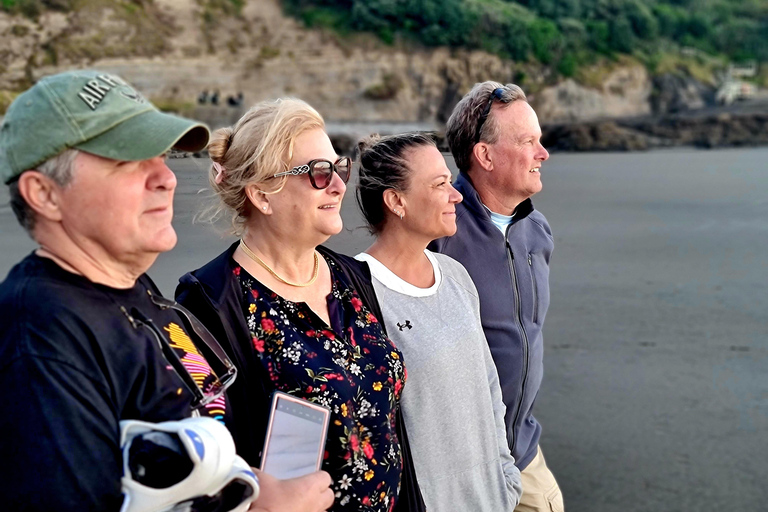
(742, 125)
(674, 93)
(624, 92)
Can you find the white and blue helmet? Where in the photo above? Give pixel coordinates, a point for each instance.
(185, 465)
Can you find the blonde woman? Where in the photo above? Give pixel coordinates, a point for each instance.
(287, 311)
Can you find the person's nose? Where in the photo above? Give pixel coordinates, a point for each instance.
(160, 175)
(543, 154)
(337, 185)
(455, 196)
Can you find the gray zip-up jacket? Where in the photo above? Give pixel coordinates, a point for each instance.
(511, 273)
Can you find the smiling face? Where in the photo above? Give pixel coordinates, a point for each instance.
(430, 199)
(517, 155)
(120, 210)
(302, 210)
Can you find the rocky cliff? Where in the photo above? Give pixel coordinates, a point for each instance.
(175, 49)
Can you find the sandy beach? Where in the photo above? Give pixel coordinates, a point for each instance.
(655, 395)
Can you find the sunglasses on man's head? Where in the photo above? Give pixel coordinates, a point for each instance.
(321, 171)
(496, 94)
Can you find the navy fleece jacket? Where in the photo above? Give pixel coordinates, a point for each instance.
(511, 273)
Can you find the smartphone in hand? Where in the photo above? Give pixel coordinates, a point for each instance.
(296, 435)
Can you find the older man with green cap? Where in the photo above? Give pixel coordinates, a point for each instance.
(86, 340)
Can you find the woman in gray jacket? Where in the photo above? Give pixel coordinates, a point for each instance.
(452, 407)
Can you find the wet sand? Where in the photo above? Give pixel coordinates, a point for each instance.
(655, 396)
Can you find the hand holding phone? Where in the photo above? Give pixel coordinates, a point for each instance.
(309, 493)
(296, 433)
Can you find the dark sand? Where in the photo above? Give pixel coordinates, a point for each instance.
(655, 396)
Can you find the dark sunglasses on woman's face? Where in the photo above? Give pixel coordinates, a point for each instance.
(321, 171)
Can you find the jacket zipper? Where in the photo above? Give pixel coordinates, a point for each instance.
(511, 258)
(535, 291)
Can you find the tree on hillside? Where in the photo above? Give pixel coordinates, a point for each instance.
(561, 33)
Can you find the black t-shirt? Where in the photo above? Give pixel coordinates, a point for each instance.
(72, 365)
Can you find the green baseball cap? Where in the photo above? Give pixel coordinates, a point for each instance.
(92, 111)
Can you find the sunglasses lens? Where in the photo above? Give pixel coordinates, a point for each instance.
(343, 167)
(321, 173)
(216, 389)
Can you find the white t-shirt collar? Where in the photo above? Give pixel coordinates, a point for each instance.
(395, 283)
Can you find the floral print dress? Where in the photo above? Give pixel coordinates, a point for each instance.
(350, 367)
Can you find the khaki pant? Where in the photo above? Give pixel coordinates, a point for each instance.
(540, 490)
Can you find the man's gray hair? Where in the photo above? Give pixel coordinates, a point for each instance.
(461, 129)
(59, 169)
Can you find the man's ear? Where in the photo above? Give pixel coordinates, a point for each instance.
(394, 200)
(42, 194)
(257, 197)
(482, 153)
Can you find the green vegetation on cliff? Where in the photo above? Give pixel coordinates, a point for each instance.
(32, 8)
(564, 34)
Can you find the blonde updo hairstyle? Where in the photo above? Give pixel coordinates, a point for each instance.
(256, 148)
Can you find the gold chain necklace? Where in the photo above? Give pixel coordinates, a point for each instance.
(248, 252)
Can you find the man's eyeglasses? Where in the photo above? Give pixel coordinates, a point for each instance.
(496, 94)
(200, 396)
(321, 171)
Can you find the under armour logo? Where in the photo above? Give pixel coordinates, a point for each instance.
(403, 326)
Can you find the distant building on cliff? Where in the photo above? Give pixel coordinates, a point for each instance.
(734, 88)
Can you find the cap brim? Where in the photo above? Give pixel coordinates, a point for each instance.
(148, 135)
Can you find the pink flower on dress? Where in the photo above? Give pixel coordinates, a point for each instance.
(267, 324)
(258, 344)
(368, 450)
(356, 303)
(354, 443)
